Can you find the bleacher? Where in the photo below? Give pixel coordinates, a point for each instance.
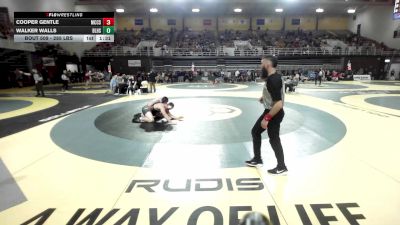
(257, 42)
(203, 41)
(252, 43)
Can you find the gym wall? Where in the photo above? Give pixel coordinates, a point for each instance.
(306, 22)
(166, 23)
(234, 23)
(199, 23)
(333, 23)
(377, 23)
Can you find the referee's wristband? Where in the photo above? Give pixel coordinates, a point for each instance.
(268, 117)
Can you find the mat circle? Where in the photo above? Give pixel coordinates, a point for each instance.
(386, 83)
(106, 133)
(391, 102)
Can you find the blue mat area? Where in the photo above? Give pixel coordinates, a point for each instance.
(392, 102)
(10, 193)
(389, 83)
(11, 105)
(329, 85)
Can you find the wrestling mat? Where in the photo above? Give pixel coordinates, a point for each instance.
(76, 158)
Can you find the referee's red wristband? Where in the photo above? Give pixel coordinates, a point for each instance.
(268, 117)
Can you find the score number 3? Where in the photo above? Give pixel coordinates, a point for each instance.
(108, 21)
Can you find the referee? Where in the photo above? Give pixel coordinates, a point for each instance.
(271, 118)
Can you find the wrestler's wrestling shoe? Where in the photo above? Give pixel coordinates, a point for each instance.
(278, 171)
(254, 163)
(136, 118)
(163, 120)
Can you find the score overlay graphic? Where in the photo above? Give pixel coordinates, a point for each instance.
(64, 27)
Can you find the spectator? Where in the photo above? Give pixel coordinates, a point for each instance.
(19, 77)
(152, 81)
(121, 84)
(38, 82)
(88, 78)
(64, 80)
(114, 84)
(237, 75)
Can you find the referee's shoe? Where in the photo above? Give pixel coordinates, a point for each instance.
(254, 162)
(278, 171)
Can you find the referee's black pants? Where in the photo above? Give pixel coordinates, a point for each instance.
(273, 133)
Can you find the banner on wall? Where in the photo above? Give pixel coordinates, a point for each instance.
(396, 12)
(139, 22)
(207, 22)
(295, 21)
(260, 21)
(171, 22)
(72, 67)
(363, 77)
(134, 63)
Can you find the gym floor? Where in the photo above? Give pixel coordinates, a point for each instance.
(75, 157)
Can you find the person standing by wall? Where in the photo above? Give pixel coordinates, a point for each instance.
(152, 81)
(162, 78)
(237, 74)
(65, 80)
(38, 82)
(113, 84)
(121, 84)
(248, 78)
(88, 78)
(318, 77)
(19, 78)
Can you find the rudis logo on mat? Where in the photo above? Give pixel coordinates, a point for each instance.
(197, 185)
